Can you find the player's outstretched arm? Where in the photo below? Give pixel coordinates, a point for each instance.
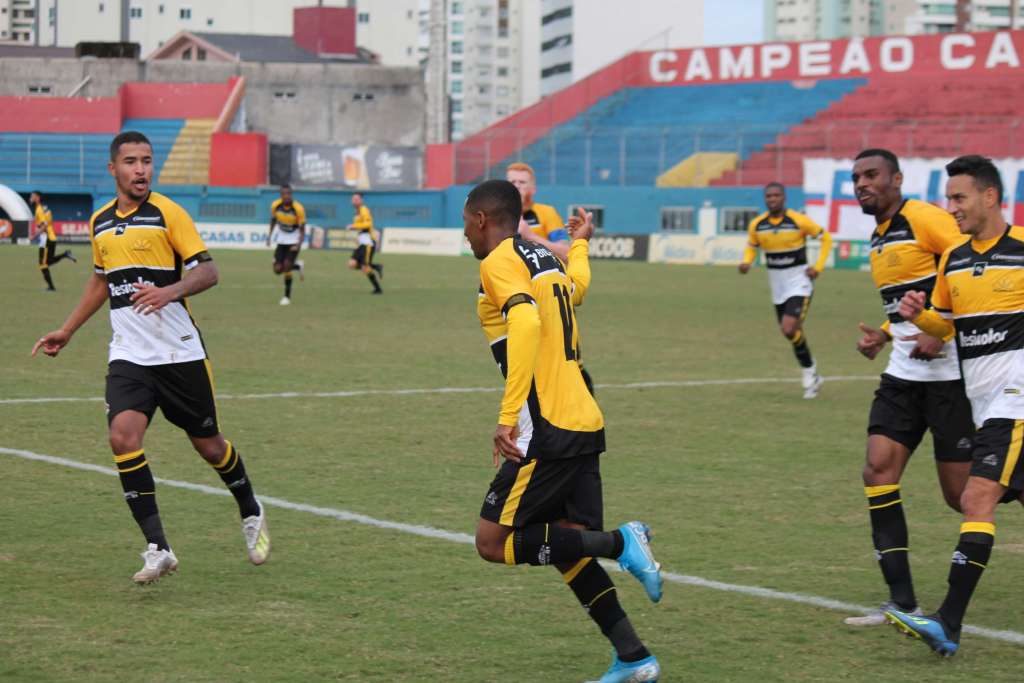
(826, 248)
(93, 296)
(580, 228)
(872, 341)
(150, 298)
(559, 249)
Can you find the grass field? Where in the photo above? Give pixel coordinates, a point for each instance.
(743, 483)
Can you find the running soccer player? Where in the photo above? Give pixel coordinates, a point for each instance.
(782, 233)
(148, 258)
(540, 223)
(921, 389)
(362, 255)
(544, 505)
(43, 225)
(288, 216)
(978, 298)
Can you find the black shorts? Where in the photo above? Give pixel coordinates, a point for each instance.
(794, 306)
(182, 391)
(904, 410)
(47, 253)
(363, 254)
(286, 252)
(547, 491)
(997, 455)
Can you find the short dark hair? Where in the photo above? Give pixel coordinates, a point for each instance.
(894, 162)
(36, 192)
(285, 186)
(981, 169)
(775, 183)
(127, 137)
(499, 200)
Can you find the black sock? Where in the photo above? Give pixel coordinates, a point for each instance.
(969, 560)
(296, 266)
(140, 494)
(373, 279)
(889, 533)
(288, 285)
(46, 276)
(232, 473)
(800, 350)
(540, 544)
(377, 267)
(596, 592)
(59, 257)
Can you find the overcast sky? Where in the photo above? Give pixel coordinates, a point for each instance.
(730, 22)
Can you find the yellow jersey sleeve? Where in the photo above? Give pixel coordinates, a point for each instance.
(300, 213)
(506, 282)
(551, 223)
(750, 253)
(578, 270)
(806, 225)
(181, 231)
(363, 219)
(522, 345)
(936, 230)
(273, 208)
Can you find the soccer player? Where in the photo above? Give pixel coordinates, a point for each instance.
(540, 223)
(362, 255)
(782, 233)
(979, 299)
(921, 388)
(289, 217)
(148, 258)
(43, 222)
(544, 505)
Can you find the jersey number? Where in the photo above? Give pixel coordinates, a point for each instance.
(565, 309)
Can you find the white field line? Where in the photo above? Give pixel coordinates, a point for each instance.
(456, 537)
(462, 390)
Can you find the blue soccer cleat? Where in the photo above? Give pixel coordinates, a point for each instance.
(928, 629)
(637, 559)
(647, 669)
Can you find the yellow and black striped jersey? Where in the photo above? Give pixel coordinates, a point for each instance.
(151, 244)
(980, 287)
(44, 222)
(905, 252)
(784, 239)
(363, 222)
(287, 218)
(559, 417)
(545, 222)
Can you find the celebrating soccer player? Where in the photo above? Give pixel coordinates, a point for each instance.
(978, 299)
(540, 222)
(141, 242)
(921, 388)
(288, 217)
(782, 233)
(544, 505)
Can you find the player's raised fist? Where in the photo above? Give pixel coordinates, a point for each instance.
(581, 225)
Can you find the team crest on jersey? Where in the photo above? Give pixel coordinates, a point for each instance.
(893, 260)
(955, 292)
(121, 227)
(1003, 284)
(979, 269)
(141, 245)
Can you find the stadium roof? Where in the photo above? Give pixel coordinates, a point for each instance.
(248, 47)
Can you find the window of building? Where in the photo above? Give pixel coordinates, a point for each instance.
(364, 18)
(484, 89)
(562, 68)
(456, 67)
(200, 54)
(456, 28)
(456, 128)
(503, 71)
(456, 106)
(29, 13)
(554, 43)
(209, 21)
(501, 110)
(503, 31)
(40, 89)
(677, 219)
(563, 13)
(284, 95)
(737, 218)
(362, 96)
(456, 8)
(160, 9)
(501, 91)
(102, 7)
(456, 47)
(456, 86)
(185, 13)
(135, 12)
(187, 54)
(502, 52)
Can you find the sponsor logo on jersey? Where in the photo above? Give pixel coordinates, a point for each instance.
(1016, 258)
(126, 288)
(141, 245)
(979, 269)
(1003, 284)
(780, 260)
(982, 339)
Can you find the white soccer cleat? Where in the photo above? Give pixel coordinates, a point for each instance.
(878, 618)
(157, 563)
(284, 301)
(257, 537)
(811, 381)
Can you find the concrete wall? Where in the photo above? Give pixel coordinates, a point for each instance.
(328, 102)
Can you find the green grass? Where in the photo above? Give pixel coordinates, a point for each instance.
(742, 483)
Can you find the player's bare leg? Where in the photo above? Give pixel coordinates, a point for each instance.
(792, 329)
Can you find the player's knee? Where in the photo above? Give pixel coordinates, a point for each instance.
(124, 441)
(977, 503)
(490, 549)
(352, 265)
(278, 268)
(211, 450)
(879, 471)
(953, 499)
